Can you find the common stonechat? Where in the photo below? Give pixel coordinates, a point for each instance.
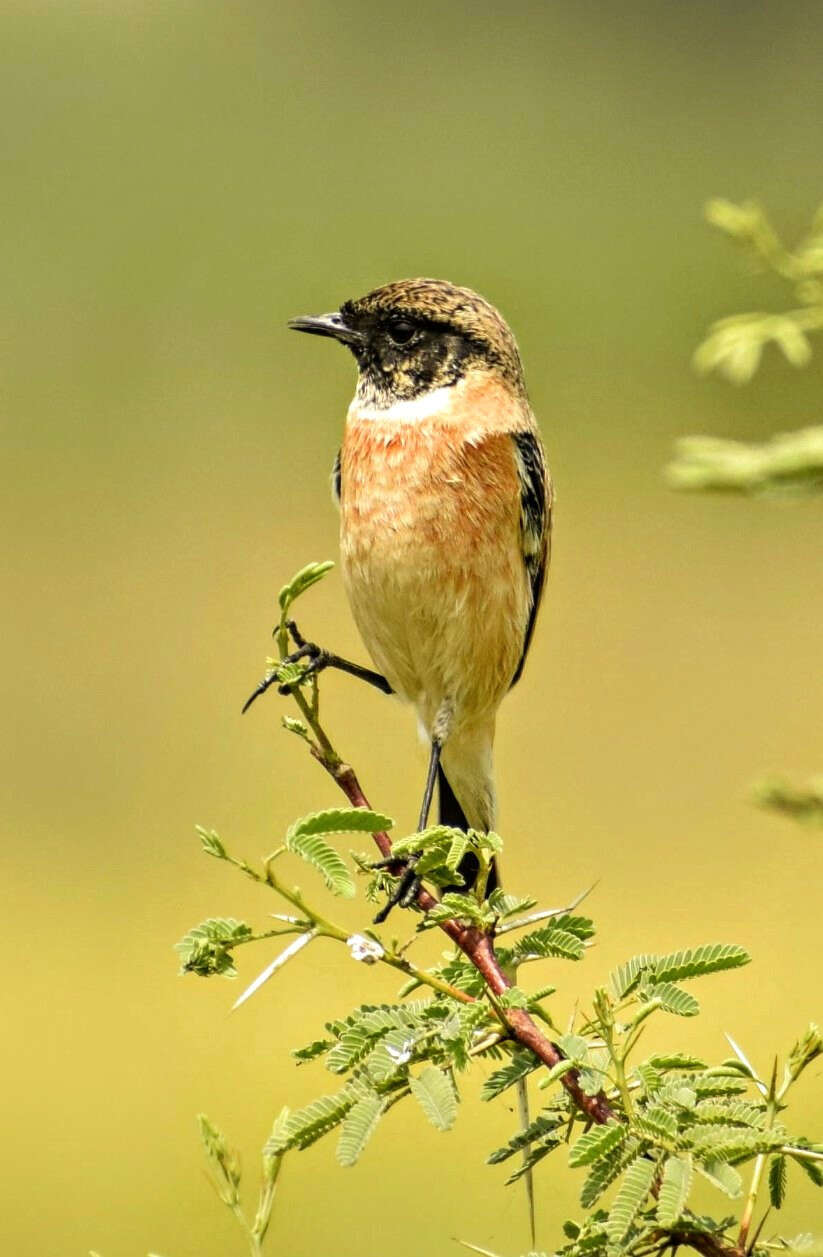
(445, 520)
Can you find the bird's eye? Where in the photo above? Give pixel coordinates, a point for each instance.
(401, 331)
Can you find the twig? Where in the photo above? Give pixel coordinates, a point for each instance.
(479, 948)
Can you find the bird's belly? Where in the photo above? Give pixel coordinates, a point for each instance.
(432, 567)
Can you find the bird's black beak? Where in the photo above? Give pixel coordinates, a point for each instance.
(333, 325)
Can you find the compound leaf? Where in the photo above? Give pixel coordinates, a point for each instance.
(340, 820)
(605, 1171)
(541, 1127)
(307, 1125)
(723, 1176)
(435, 1093)
(596, 1143)
(549, 941)
(206, 948)
(301, 581)
(630, 1198)
(625, 978)
(521, 1064)
(777, 1181)
(694, 962)
(673, 1000)
(358, 1127)
(323, 857)
(674, 1190)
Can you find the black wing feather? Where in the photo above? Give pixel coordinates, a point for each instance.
(535, 523)
(336, 476)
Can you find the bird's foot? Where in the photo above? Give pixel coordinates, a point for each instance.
(317, 660)
(405, 892)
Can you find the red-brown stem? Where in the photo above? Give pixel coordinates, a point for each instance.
(479, 948)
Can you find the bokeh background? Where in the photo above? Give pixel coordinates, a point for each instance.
(178, 180)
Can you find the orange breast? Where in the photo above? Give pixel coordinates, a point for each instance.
(431, 557)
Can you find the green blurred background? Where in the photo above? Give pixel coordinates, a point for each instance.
(178, 180)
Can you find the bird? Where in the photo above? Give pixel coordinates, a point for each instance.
(446, 507)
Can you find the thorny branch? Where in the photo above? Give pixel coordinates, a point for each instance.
(479, 948)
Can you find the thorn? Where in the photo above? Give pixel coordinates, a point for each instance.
(277, 963)
(744, 1060)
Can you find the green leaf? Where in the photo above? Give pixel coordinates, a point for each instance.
(716, 1082)
(316, 852)
(582, 927)
(358, 1127)
(777, 1181)
(605, 1171)
(513, 997)
(522, 1063)
(723, 1176)
(673, 1000)
(359, 1034)
(206, 949)
(340, 820)
(630, 1199)
(307, 1125)
(435, 1093)
(806, 1050)
(548, 941)
(544, 1125)
(291, 725)
(730, 1112)
(457, 849)
(676, 1060)
(391, 1055)
(677, 1094)
(487, 841)
(813, 1169)
(503, 905)
(223, 1160)
(596, 1143)
(556, 1071)
(211, 842)
(693, 963)
(461, 907)
(674, 1190)
(353, 1044)
(625, 978)
(657, 1122)
(536, 1152)
(650, 1078)
(312, 1050)
(301, 581)
(732, 1143)
(436, 836)
(575, 1047)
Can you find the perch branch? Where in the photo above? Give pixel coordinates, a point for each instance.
(479, 948)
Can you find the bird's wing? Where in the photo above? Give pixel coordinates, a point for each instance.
(535, 523)
(336, 475)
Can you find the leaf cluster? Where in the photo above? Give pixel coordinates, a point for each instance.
(734, 345)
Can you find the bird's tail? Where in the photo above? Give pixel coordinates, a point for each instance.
(451, 813)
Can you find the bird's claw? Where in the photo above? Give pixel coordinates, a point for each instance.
(317, 658)
(405, 892)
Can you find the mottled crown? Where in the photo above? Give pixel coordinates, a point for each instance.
(451, 308)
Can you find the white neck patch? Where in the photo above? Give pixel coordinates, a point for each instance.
(438, 402)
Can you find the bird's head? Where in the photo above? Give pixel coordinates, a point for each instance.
(416, 335)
